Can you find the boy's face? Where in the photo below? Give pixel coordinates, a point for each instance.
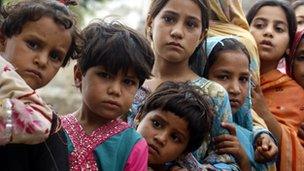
(167, 136)
(106, 96)
(38, 51)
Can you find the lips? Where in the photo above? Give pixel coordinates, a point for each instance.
(34, 73)
(235, 103)
(153, 149)
(266, 43)
(175, 44)
(111, 104)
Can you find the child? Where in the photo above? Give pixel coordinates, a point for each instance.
(298, 7)
(295, 64)
(174, 120)
(228, 64)
(176, 34)
(295, 68)
(37, 38)
(113, 64)
(273, 26)
(22, 109)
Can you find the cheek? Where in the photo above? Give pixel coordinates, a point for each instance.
(145, 130)
(298, 68)
(128, 95)
(244, 92)
(175, 150)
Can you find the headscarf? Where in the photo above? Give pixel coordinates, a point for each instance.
(228, 18)
(243, 116)
(291, 57)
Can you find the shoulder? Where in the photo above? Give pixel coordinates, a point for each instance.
(210, 88)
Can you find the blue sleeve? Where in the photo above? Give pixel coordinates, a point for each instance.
(206, 153)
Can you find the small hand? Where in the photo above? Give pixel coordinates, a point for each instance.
(265, 149)
(229, 144)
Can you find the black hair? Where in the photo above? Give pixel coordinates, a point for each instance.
(185, 101)
(115, 47)
(224, 45)
(196, 59)
(288, 10)
(15, 16)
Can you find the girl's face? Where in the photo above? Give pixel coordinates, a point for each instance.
(269, 27)
(166, 134)
(176, 30)
(38, 51)
(299, 11)
(298, 64)
(231, 70)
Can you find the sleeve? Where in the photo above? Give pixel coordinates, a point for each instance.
(222, 114)
(259, 127)
(138, 159)
(206, 155)
(24, 116)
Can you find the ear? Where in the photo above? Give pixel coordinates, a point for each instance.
(77, 76)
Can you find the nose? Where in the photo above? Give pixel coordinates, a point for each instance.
(234, 88)
(114, 88)
(161, 138)
(177, 31)
(268, 32)
(41, 59)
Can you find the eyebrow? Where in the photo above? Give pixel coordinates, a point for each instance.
(183, 134)
(245, 74)
(224, 71)
(37, 38)
(40, 39)
(276, 21)
(176, 14)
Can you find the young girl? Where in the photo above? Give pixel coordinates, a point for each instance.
(37, 38)
(295, 67)
(298, 7)
(112, 65)
(25, 118)
(176, 34)
(228, 64)
(280, 100)
(174, 120)
(295, 64)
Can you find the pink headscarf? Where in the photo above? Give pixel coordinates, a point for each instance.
(291, 57)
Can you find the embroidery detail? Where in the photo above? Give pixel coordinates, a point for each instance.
(82, 157)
